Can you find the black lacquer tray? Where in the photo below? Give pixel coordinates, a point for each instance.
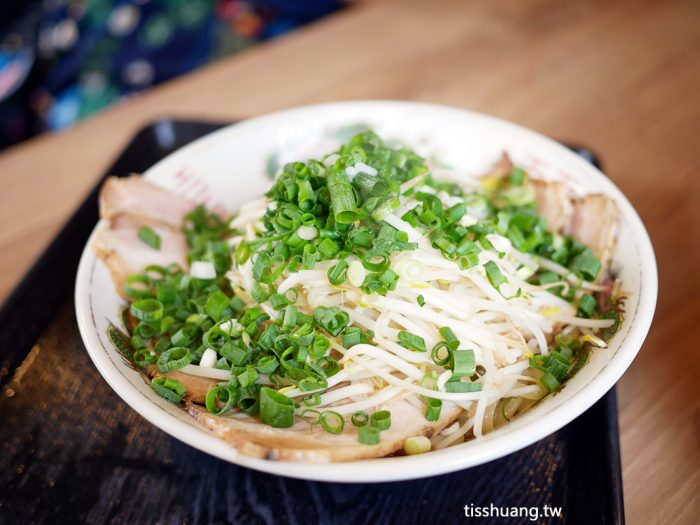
(71, 451)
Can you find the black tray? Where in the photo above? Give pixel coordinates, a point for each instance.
(72, 451)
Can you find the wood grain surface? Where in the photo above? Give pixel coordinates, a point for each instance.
(71, 451)
(621, 77)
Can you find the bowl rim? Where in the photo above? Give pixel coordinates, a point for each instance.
(502, 442)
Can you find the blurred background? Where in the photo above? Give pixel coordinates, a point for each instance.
(621, 77)
(63, 60)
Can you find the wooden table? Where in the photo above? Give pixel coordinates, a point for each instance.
(622, 78)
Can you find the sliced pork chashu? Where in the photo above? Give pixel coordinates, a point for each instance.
(553, 204)
(594, 222)
(125, 254)
(128, 205)
(302, 442)
(134, 195)
(592, 219)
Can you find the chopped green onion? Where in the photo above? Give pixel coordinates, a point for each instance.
(333, 319)
(517, 176)
(467, 261)
(174, 359)
(311, 416)
(494, 274)
(278, 300)
(416, 445)
(549, 278)
(411, 341)
(332, 422)
(328, 248)
(342, 197)
(440, 354)
(144, 357)
(248, 376)
(376, 262)
(150, 237)
(550, 382)
(381, 419)
(429, 381)
(368, 435)
(337, 273)
(335, 211)
(360, 418)
(267, 364)
(276, 409)
(587, 304)
(463, 363)
(305, 197)
(312, 400)
(216, 305)
(319, 346)
(352, 335)
(221, 399)
(310, 256)
(455, 213)
(462, 387)
(137, 342)
(147, 310)
(290, 316)
(389, 279)
(450, 338)
(433, 409)
(586, 264)
(310, 383)
(362, 238)
(170, 389)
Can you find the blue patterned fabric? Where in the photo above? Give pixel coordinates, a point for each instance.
(62, 60)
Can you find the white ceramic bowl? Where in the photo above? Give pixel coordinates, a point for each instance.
(227, 168)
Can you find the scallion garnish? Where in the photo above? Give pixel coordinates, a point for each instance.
(368, 435)
(332, 422)
(450, 338)
(170, 389)
(360, 418)
(311, 416)
(221, 399)
(312, 400)
(337, 273)
(493, 272)
(277, 410)
(416, 445)
(440, 354)
(333, 319)
(381, 419)
(147, 310)
(587, 305)
(248, 376)
(433, 409)
(149, 236)
(174, 359)
(411, 341)
(462, 363)
(460, 387)
(342, 197)
(352, 335)
(586, 264)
